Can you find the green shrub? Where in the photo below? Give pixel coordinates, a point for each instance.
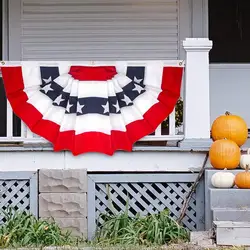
(155, 229)
(22, 229)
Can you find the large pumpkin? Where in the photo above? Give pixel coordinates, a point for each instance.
(242, 180)
(231, 127)
(224, 154)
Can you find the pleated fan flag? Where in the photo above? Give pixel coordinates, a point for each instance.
(97, 108)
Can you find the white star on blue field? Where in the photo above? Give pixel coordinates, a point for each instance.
(93, 105)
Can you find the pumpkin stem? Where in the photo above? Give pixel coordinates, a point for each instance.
(227, 113)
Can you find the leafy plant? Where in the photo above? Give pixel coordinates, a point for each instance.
(155, 229)
(23, 229)
(178, 115)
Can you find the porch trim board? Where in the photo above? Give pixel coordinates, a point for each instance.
(137, 161)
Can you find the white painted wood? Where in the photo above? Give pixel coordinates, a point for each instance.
(93, 30)
(229, 90)
(196, 96)
(235, 224)
(9, 121)
(199, 10)
(14, 30)
(29, 133)
(175, 63)
(157, 131)
(230, 233)
(23, 129)
(94, 162)
(11, 139)
(172, 129)
(185, 16)
(5, 38)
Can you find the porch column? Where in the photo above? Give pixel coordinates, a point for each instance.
(196, 93)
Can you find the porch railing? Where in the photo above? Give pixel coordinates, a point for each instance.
(26, 136)
(165, 132)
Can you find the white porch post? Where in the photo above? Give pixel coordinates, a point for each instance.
(196, 93)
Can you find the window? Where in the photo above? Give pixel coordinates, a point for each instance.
(229, 23)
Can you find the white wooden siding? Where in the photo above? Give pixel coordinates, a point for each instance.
(98, 29)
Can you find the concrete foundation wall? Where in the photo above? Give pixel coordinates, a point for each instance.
(63, 196)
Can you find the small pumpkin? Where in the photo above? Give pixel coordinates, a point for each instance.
(223, 179)
(242, 180)
(245, 159)
(224, 154)
(231, 127)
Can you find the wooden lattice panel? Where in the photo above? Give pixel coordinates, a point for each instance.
(145, 194)
(146, 198)
(17, 190)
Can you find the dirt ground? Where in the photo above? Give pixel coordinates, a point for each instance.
(194, 247)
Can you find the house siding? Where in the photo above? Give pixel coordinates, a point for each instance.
(97, 30)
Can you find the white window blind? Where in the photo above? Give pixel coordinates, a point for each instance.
(98, 29)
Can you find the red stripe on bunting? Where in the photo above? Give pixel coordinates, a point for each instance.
(92, 141)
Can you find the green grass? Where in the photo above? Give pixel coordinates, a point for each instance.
(117, 232)
(151, 230)
(24, 230)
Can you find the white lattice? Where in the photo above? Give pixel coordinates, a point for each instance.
(145, 198)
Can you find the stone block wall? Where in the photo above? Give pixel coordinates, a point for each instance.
(63, 196)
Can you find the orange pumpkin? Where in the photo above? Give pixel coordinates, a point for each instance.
(242, 180)
(231, 127)
(224, 154)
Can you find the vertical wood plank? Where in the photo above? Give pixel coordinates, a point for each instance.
(172, 123)
(23, 129)
(158, 131)
(9, 120)
(91, 209)
(29, 134)
(34, 194)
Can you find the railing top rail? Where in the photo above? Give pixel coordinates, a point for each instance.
(179, 63)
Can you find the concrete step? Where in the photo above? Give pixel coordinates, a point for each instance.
(231, 214)
(229, 198)
(231, 233)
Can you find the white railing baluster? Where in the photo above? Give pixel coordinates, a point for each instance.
(158, 131)
(23, 129)
(9, 119)
(29, 134)
(172, 123)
